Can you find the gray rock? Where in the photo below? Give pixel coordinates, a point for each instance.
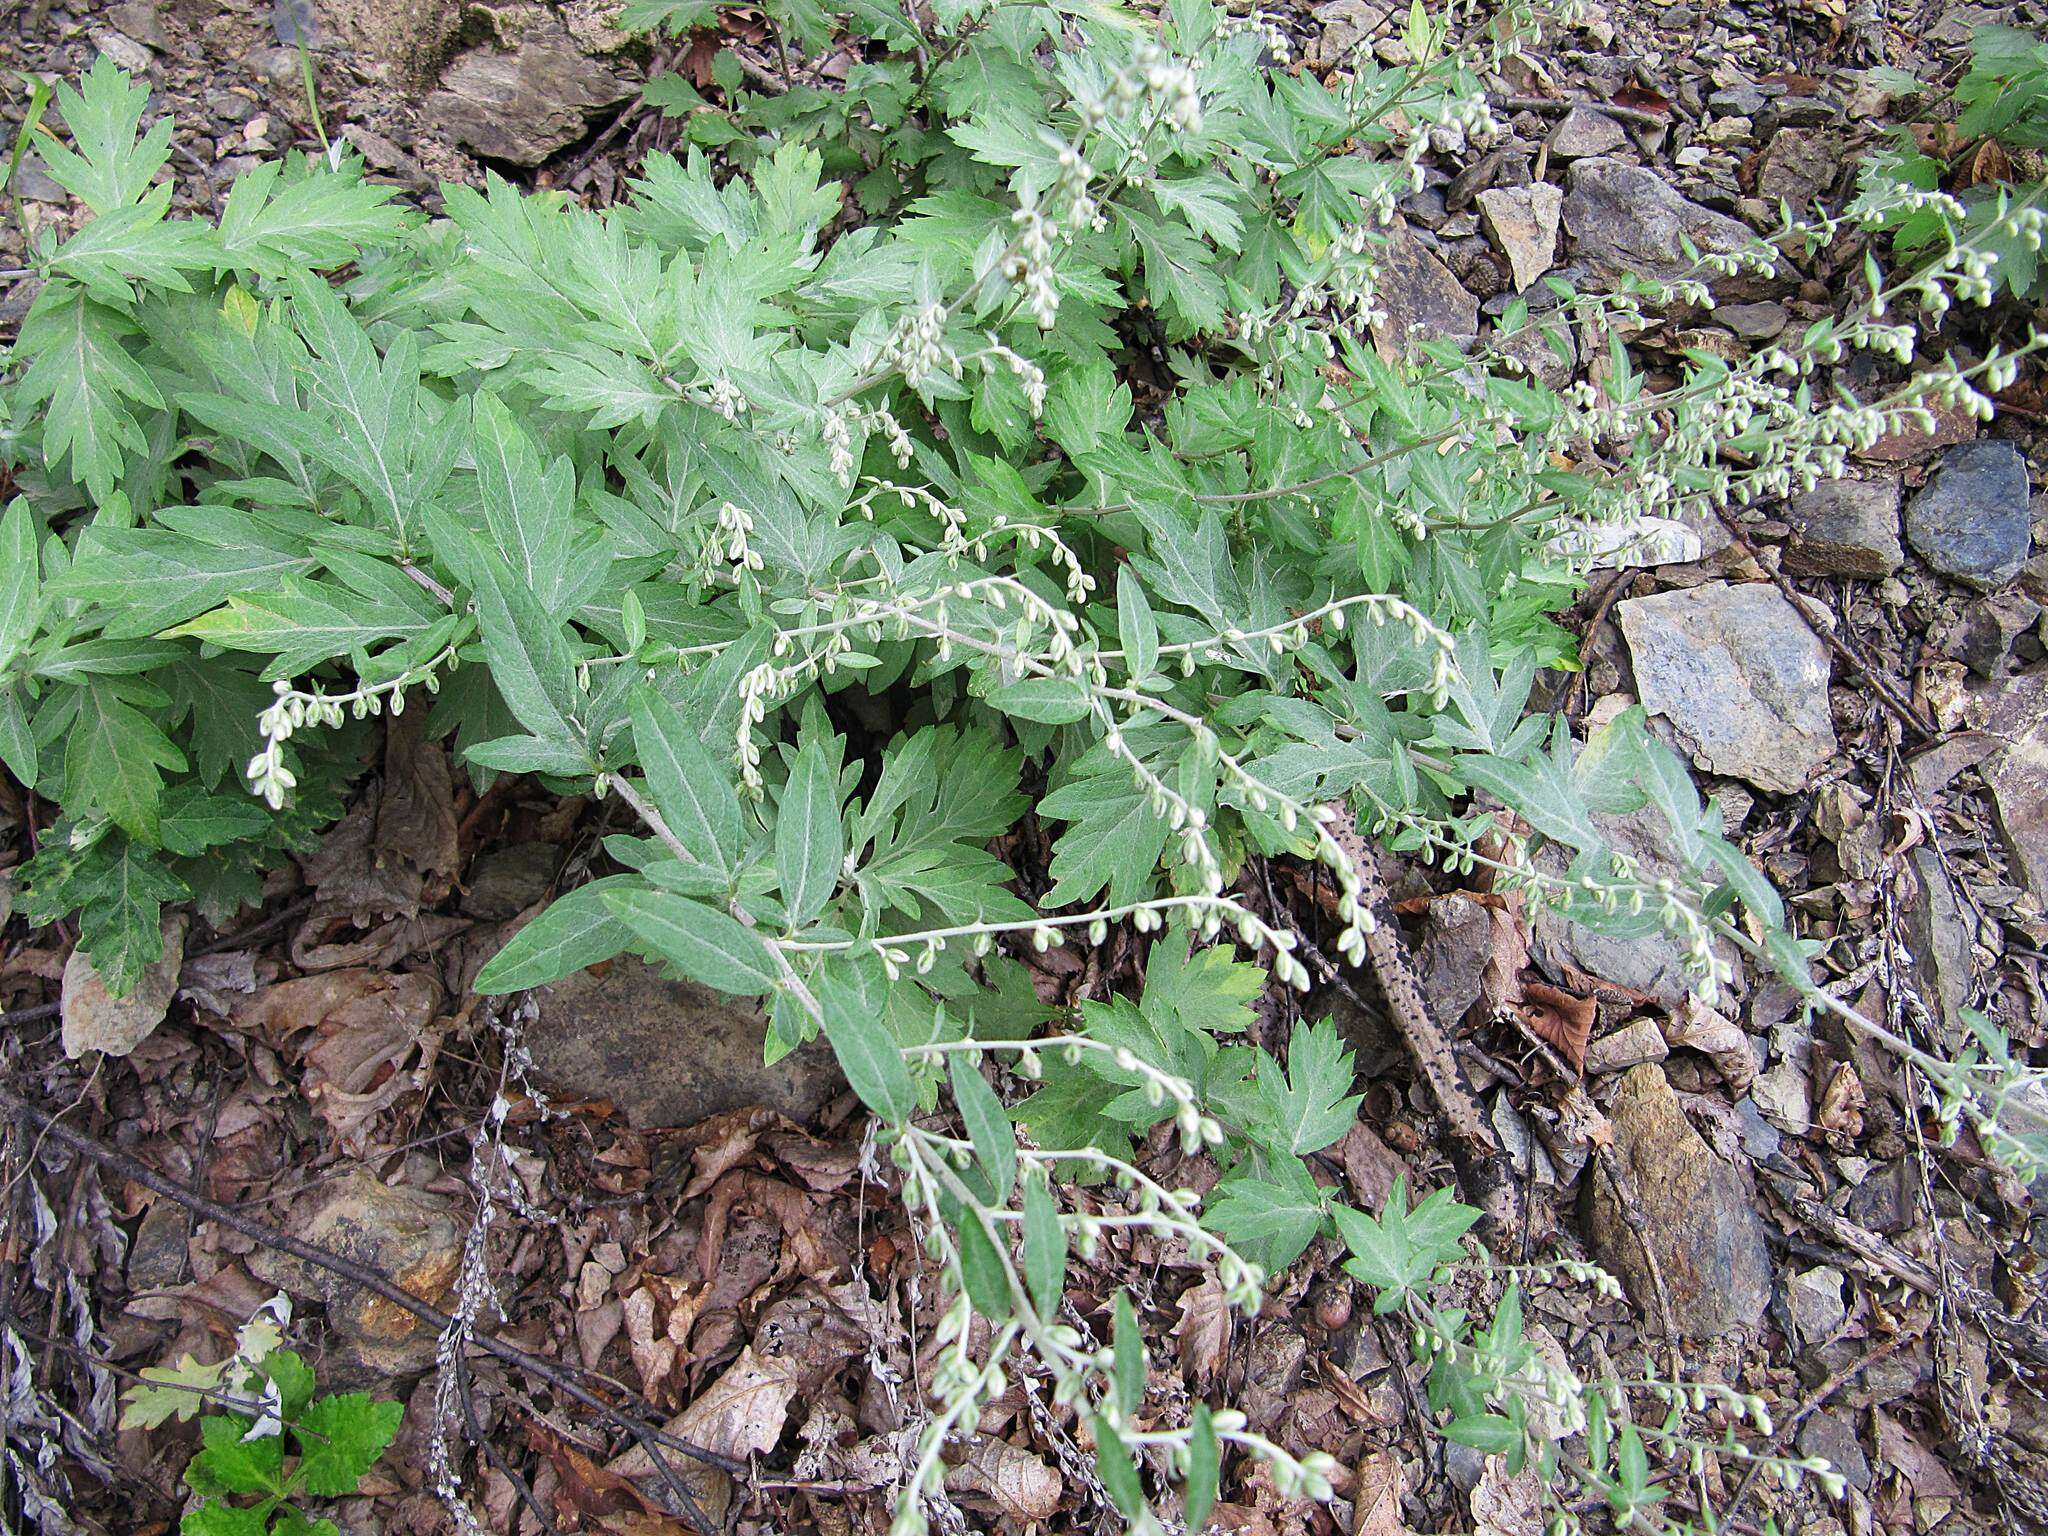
(1425, 208)
(273, 65)
(156, 1255)
(1736, 101)
(1347, 24)
(1846, 528)
(2015, 712)
(523, 106)
(403, 43)
(1422, 298)
(1937, 940)
(1739, 676)
(1457, 937)
(123, 50)
(36, 184)
(230, 106)
(506, 881)
(1702, 1220)
(407, 1234)
(1653, 963)
(140, 20)
(1798, 165)
(1990, 627)
(1630, 1046)
(1760, 1139)
(668, 1052)
(1583, 132)
(1625, 219)
(1813, 1303)
(1832, 1437)
(1522, 222)
(1971, 520)
(1753, 322)
(1804, 111)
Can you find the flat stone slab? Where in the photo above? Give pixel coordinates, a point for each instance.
(1739, 675)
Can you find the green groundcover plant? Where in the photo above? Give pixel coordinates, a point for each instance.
(2001, 103)
(995, 447)
(268, 1441)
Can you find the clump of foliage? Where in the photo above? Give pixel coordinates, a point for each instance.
(2000, 133)
(267, 1441)
(1003, 436)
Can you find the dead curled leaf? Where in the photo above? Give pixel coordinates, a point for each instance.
(95, 1020)
(1203, 1332)
(1505, 1504)
(741, 1414)
(586, 1489)
(396, 849)
(1696, 1027)
(364, 1039)
(1842, 1103)
(1559, 1019)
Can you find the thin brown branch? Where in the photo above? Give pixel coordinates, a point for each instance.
(1483, 1166)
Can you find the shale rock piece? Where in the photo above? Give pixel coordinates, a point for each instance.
(1972, 520)
(1701, 1216)
(1846, 528)
(1740, 677)
(527, 103)
(1625, 219)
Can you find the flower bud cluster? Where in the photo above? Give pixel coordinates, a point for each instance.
(291, 710)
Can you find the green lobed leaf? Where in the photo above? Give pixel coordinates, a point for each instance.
(340, 1439)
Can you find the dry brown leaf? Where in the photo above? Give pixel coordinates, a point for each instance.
(395, 851)
(1507, 954)
(95, 1020)
(1923, 1472)
(364, 1038)
(1842, 1103)
(1377, 1499)
(654, 1352)
(1009, 1478)
(585, 1488)
(1987, 162)
(739, 1415)
(1505, 1504)
(792, 1209)
(1241, 1520)
(382, 947)
(1558, 1019)
(1370, 1165)
(1203, 1332)
(727, 1141)
(1349, 1394)
(1696, 1027)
